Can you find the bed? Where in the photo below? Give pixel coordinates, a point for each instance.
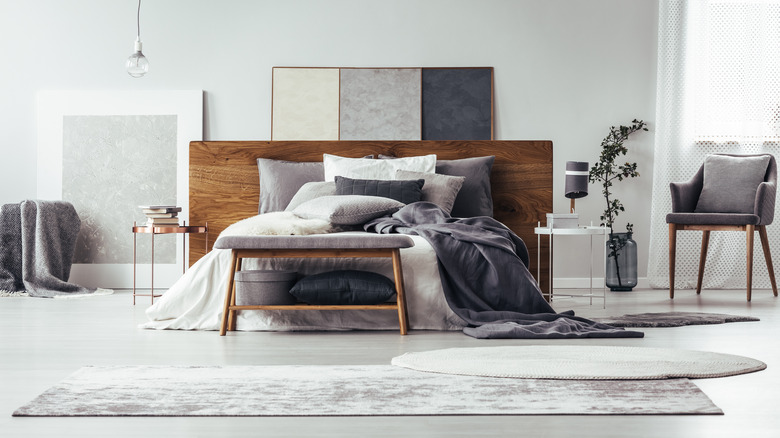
(224, 188)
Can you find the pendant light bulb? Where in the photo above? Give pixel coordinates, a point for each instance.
(137, 65)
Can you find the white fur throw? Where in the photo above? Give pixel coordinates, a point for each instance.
(279, 223)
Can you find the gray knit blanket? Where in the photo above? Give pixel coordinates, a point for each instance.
(484, 274)
(37, 241)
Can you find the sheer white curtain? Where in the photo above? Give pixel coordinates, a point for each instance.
(718, 92)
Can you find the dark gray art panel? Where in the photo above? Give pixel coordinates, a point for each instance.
(110, 166)
(457, 104)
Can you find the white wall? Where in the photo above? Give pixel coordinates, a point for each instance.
(565, 70)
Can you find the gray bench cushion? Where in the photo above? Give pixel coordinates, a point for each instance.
(347, 240)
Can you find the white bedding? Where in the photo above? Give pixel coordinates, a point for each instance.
(195, 301)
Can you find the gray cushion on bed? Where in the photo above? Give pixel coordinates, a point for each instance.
(345, 287)
(474, 198)
(312, 190)
(730, 183)
(348, 240)
(402, 191)
(280, 181)
(439, 189)
(347, 209)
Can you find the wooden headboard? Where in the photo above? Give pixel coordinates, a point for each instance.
(225, 187)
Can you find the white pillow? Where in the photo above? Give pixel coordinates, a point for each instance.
(358, 168)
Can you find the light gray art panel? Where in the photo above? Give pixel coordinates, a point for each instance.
(110, 166)
(380, 104)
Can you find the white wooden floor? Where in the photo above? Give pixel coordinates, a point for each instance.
(42, 341)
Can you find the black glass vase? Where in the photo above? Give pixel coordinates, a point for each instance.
(621, 262)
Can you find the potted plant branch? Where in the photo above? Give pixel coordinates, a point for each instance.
(621, 248)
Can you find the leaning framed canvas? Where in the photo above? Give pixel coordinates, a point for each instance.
(107, 152)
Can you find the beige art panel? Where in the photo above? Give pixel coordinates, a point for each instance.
(305, 104)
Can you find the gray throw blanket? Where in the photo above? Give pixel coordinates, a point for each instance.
(484, 273)
(37, 240)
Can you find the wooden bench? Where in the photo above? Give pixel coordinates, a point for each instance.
(313, 246)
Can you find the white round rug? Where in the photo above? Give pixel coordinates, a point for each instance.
(576, 362)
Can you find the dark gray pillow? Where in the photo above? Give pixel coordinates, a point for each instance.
(280, 181)
(474, 198)
(406, 191)
(730, 183)
(344, 288)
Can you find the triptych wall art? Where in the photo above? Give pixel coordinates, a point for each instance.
(333, 103)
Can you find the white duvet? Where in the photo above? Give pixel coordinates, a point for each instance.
(195, 301)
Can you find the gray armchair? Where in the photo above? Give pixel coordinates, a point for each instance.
(728, 193)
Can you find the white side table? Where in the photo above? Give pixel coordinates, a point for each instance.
(581, 231)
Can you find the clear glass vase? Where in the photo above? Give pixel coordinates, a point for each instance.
(621, 270)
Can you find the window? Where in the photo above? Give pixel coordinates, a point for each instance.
(735, 57)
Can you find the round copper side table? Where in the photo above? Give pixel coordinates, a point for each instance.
(165, 229)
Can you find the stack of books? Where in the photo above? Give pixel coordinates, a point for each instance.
(161, 215)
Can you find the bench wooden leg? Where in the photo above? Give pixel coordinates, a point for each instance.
(230, 293)
(403, 318)
(234, 313)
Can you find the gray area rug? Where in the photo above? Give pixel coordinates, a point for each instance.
(579, 362)
(671, 319)
(379, 390)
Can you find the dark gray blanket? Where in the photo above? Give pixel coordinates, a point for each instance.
(484, 273)
(37, 240)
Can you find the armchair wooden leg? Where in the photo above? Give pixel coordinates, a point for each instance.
(705, 243)
(750, 231)
(672, 251)
(768, 257)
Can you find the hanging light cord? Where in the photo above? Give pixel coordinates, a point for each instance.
(138, 20)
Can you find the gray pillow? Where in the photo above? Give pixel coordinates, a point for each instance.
(730, 183)
(280, 181)
(347, 287)
(348, 209)
(474, 198)
(403, 191)
(311, 190)
(439, 189)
